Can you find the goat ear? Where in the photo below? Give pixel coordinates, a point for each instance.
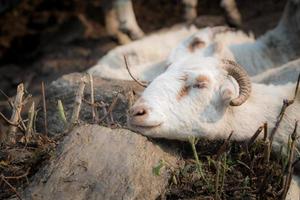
(229, 90)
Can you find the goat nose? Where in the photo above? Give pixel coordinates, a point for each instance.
(138, 111)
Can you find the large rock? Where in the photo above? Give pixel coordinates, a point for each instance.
(95, 162)
(105, 90)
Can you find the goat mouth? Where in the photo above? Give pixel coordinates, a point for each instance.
(144, 126)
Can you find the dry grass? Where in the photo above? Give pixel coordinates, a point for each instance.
(238, 173)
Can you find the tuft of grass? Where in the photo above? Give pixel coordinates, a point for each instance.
(157, 169)
(193, 141)
(237, 173)
(61, 112)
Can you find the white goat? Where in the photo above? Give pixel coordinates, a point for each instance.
(147, 56)
(211, 41)
(121, 22)
(150, 55)
(209, 97)
(273, 49)
(280, 75)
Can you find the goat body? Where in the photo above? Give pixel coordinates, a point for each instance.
(147, 57)
(151, 55)
(281, 75)
(273, 49)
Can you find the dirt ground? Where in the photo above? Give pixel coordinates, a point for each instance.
(42, 40)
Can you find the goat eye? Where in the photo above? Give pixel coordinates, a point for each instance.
(200, 85)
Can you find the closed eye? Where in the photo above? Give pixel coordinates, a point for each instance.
(202, 81)
(200, 85)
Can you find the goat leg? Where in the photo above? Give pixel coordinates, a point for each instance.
(112, 24)
(190, 10)
(232, 14)
(127, 20)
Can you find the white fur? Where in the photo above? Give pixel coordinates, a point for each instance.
(281, 75)
(255, 56)
(216, 40)
(147, 57)
(273, 49)
(205, 112)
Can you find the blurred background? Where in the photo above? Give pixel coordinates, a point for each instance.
(41, 40)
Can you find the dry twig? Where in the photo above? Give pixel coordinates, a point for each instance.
(7, 120)
(220, 152)
(136, 80)
(286, 103)
(265, 131)
(44, 107)
(18, 177)
(110, 109)
(92, 98)
(217, 195)
(267, 152)
(254, 137)
(7, 98)
(290, 169)
(11, 187)
(29, 129)
(78, 101)
(16, 113)
(224, 147)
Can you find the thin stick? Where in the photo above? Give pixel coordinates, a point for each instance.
(7, 120)
(15, 117)
(110, 109)
(22, 125)
(217, 196)
(265, 131)
(224, 146)
(29, 129)
(223, 172)
(297, 87)
(254, 137)
(127, 67)
(92, 98)
(290, 169)
(11, 187)
(267, 152)
(220, 152)
(104, 109)
(286, 103)
(7, 98)
(44, 108)
(78, 101)
(35, 115)
(18, 177)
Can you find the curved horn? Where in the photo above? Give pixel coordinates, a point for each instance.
(242, 78)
